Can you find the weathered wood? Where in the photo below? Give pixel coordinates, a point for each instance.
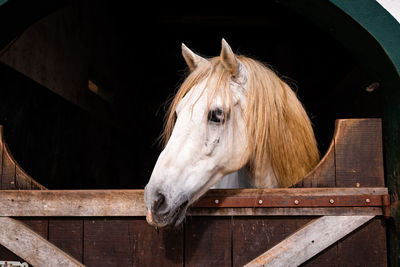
(8, 174)
(155, 248)
(310, 240)
(1, 155)
(358, 153)
(130, 202)
(130, 242)
(285, 211)
(253, 236)
(67, 235)
(359, 162)
(12, 176)
(107, 242)
(32, 247)
(323, 175)
(208, 242)
(365, 247)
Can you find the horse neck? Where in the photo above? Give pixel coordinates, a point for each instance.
(243, 179)
(266, 179)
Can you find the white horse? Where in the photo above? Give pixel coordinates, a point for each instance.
(230, 113)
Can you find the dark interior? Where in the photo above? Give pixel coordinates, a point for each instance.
(134, 57)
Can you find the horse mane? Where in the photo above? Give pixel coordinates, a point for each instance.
(278, 128)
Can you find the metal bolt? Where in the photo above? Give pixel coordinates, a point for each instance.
(216, 201)
(368, 200)
(331, 201)
(260, 201)
(296, 202)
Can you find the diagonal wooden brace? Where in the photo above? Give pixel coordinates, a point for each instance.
(31, 247)
(309, 241)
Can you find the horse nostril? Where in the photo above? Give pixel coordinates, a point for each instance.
(159, 202)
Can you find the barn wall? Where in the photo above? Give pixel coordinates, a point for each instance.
(54, 52)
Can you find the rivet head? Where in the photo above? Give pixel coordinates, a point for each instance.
(296, 202)
(260, 201)
(331, 201)
(216, 201)
(368, 200)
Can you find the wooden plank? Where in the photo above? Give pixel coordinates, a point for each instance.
(155, 248)
(359, 162)
(1, 155)
(8, 173)
(130, 202)
(30, 246)
(310, 240)
(67, 234)
(280, 201)
(355, 211)
(21, 180)
(14, 176)
(358, 151)
(208, 242)
(38, 225)
(365, 246)
(253, 236)
(323, 175)
(107, 242)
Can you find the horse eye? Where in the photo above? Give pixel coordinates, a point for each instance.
(216, 116)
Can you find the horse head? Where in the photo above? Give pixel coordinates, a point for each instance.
(220, 121)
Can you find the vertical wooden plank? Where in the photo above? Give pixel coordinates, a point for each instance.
(13, 177)
(8, 173)
(1, 155)
(358, 152)
(252, 236)
(39, 225)
(365, 247)
(107, 243)
(359, 162)
(21, 179)
(208, 241)
(323, 175)
(155, 248)
(67, 235)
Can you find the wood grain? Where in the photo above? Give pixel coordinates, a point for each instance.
(155, 248)
(255, 235)
(30, 246)
(8, 174)
(208, 242)
(67, 234)
(1, 155)
(130, 202)
(364, 247)
(358, 152)
(107, 243)
(323, 175)
(309, 240)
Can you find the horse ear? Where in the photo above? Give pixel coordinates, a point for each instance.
(192, 60)
(228, 58)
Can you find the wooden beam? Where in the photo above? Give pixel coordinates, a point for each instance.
(30, 246)
(130, 202)
(309, 241)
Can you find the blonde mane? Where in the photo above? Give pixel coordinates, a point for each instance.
(278, 128)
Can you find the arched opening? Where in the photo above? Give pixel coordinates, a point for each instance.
(134, 58)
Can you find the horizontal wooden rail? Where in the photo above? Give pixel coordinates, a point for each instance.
(230, 202)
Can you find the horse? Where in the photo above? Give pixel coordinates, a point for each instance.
(230, 113)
